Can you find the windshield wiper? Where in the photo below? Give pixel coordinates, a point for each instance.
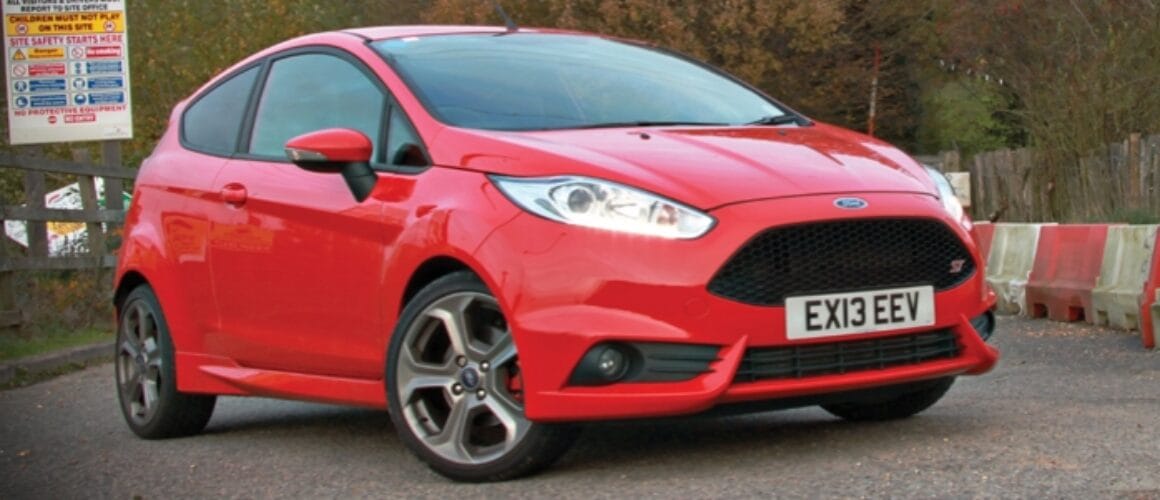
(645, 123)
(785, 119)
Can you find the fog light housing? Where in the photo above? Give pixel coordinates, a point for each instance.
(984, 325)
(604, 364)
(623, 362)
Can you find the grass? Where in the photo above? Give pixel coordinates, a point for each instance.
(23, 344)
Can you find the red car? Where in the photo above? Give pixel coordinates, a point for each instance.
(498, 234)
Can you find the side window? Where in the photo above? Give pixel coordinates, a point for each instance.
(400, 135)
(212, 123)
(310, 92)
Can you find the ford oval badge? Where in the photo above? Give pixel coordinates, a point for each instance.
(850, 203)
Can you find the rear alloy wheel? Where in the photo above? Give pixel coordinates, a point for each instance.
(146, 385)
(455, 388)
(924, 395)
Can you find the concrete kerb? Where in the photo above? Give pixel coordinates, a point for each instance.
(1127, 262)
(1009, 264)
(54, 361)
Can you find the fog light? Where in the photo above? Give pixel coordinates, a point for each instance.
(612, 363)
(606, 364)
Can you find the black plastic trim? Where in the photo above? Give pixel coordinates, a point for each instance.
(648, 362)
(812, 360)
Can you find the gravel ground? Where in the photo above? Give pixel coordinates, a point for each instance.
(1072, 411)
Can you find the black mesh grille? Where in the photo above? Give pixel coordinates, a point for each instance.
(843, 256)
(765, 363)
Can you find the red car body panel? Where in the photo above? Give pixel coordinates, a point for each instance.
(275, 281)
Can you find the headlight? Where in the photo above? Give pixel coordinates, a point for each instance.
(946, 194)
(604, 205)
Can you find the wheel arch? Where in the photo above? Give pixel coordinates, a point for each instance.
(130, 280)
(429, 271)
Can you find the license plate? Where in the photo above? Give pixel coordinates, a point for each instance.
(828, 315)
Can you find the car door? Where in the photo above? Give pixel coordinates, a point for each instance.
(178, 189)
(297, 261)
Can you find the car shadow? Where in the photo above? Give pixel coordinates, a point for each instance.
(776, 436)
(273, 417)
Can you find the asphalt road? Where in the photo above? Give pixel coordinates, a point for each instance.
(1071, 412)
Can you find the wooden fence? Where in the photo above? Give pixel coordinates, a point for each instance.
(1025, 185)
(100, 223)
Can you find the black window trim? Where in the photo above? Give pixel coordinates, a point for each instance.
(245, 131)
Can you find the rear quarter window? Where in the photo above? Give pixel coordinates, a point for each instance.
(213, 122)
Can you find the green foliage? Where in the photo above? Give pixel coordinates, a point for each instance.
(968, 115)
(1085, 74)
(63, 300)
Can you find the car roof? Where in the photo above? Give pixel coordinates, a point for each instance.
(385, 32)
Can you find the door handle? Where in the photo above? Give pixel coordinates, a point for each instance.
(234, 194)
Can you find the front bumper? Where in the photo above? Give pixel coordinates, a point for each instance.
(567, 289)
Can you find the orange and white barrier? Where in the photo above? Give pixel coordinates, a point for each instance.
(1104, 273)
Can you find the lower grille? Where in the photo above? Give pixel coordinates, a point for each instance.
(795, 362)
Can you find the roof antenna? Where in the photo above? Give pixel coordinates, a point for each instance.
(511, 25)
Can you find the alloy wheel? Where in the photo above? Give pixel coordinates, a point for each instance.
(458, 380)
(139, 362)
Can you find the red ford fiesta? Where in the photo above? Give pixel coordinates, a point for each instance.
(496, 235)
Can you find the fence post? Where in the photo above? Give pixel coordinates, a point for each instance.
(94, 236)
(9, 313)
(1135, 177)
(34, 191)
(111, 157)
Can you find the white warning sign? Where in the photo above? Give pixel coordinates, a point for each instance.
(68, 71)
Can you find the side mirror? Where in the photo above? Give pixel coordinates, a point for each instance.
(336, 150)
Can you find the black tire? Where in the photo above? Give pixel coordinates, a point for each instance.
(906, 405)
(494, 442)
(146, 384)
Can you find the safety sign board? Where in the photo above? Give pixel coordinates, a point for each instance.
(68, 70)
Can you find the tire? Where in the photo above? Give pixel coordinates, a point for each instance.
(906, 405)
(455, 391)
(146, 385)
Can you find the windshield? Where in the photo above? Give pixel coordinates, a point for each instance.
(528, 81)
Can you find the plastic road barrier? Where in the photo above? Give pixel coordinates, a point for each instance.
(1150, 320)
(1151, 336)
(1126, 267)
(1009, 264)
(1067, 263)
(984, 234)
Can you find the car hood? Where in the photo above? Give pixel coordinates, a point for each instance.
(702, 167)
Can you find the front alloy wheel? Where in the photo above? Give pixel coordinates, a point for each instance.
(455, 388)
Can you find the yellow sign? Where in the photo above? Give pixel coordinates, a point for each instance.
(46, 53)
(18, 55)
(64, 228)
(80, 23)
